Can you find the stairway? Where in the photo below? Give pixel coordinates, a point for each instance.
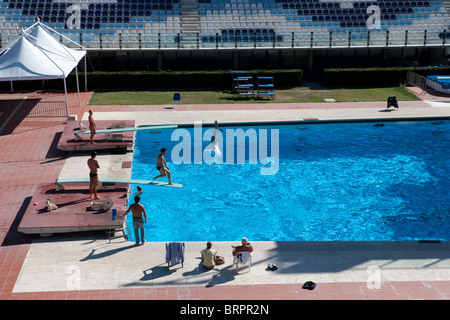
(190, 23)
(446, 6)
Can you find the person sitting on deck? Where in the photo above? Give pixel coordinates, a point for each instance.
(208, 256)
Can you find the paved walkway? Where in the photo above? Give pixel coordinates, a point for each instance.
(88, 266)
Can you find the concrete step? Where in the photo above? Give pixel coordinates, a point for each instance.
(190, 25)
(192, 13)
(190, 20)
(188, 6)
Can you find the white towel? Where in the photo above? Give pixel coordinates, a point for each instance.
(244, 256)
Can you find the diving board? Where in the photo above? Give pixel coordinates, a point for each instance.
(119, 130)
(68, 142)
(103, 181)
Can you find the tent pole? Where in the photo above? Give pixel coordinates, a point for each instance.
(67, 101)
(85, 72)
(78, 87)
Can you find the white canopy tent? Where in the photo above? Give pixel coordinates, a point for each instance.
(34, 54)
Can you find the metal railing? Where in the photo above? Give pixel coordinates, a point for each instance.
(426, 84)
(46, 109)
(416, 80)
(263, 39)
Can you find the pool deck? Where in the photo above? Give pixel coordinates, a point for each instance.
(87, 266)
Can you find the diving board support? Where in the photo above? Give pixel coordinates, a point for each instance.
(113, 136)
(100, 185)
(117, 125)
(100, 204)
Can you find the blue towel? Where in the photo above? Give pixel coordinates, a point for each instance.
(174, 253)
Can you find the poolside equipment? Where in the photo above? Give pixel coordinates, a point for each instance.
(392, 102)
(243, 86)
(219, 260)
(51, 206)
(309, 285)
(118, 125)
(439, 83)
(272, 267)
(110, 132)
(175, 253)
(114, 136)
(243, 257)
(176, 98)
(265, 87)
(104, 204)
(109, 182)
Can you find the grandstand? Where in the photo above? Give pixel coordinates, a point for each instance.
(240, 33)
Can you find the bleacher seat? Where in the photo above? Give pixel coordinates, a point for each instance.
(230, 17)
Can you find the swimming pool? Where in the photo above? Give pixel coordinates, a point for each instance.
(370, 181)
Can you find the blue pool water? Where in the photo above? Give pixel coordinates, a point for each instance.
(334, 182)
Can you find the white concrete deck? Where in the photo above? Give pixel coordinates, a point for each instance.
(56, 264)
(80, 262)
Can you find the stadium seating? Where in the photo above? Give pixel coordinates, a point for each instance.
(233, 23)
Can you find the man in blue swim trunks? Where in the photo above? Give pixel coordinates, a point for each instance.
(139, 218)
(161, 166)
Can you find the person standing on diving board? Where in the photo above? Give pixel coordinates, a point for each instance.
(161, 166)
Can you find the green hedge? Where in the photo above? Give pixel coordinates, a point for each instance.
(377, 76)
(140, 80)
(183, 79)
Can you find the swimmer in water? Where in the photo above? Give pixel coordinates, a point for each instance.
(214, 147)
(138, 191)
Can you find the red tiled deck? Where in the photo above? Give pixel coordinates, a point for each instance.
(74, 211)
(436, 290)
(29, 157)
